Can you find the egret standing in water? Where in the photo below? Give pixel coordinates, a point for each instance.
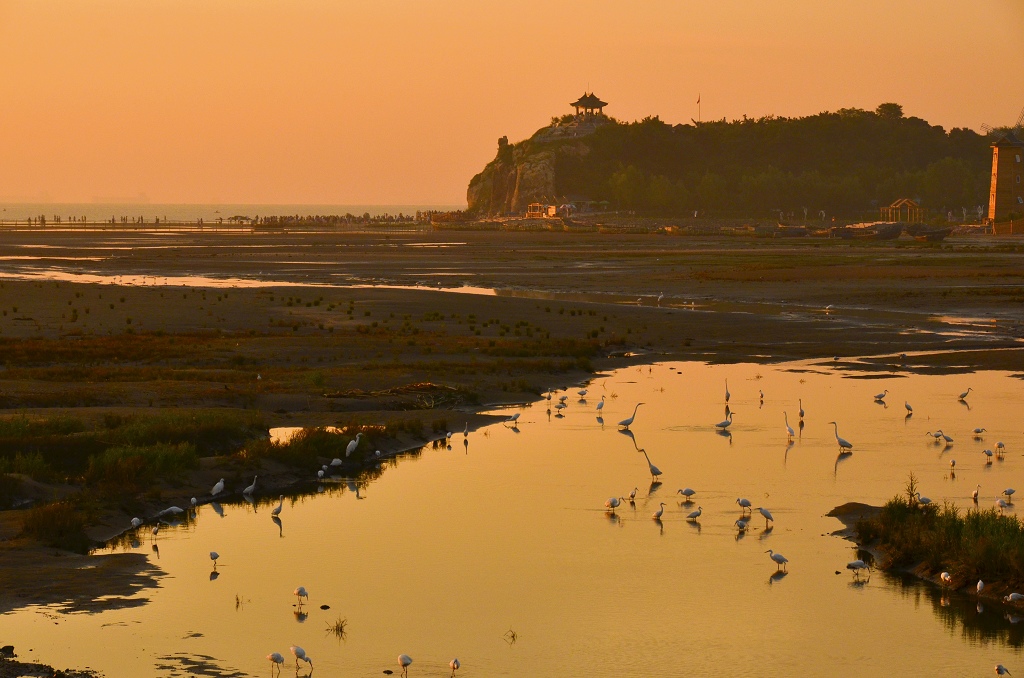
(353, 445)
(218, 488)
(857, 566)
(300, 654)
(923, 501)
(659, 513)
(844, 444)
(1002, 670)
(611, 504)
(600, 405)
(454, 665)
(626, 423)
(881, 396)
(655, 471)
(789, 429)
(744, 504)
(301, 593)
(766, 514)
(687, 493)
(963, 396)
(276, 511)
(906, 404)
(276, 659)
(974, 495)
(404, 660)
(214, 556)
(779, 559)
(722, 425)
(632, 495)
(251, 488)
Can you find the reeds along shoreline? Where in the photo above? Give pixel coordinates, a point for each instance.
(970, 545)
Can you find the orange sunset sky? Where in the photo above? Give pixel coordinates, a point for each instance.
(387, 102)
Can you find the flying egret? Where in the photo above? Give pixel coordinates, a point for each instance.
(801, 402)
(611, 504)
(404, 660)
(766, 514)
(655, 471)
(694, 515)
(276, 659)
(727, 394)
(744, 504)
(844, 444)
(276, 511)
(741, 525)
(136, 522)
(353, 445)
(964, 394)
(980, 587)
(974, 495)
(725, 424)
(1013, 598)
(301, 593)
(300, 654)
(946, 578)
(1002, 670)
(251, 488)
(454, 665)
(923, 501)
(218, 488)
(856, 566)
(632, 495)
(687, 493)
(906, 404)
(881, 396)
(780, 560)
(660, 512)
(214, 556)
(600, 405)
(789, 429)
(626, 423)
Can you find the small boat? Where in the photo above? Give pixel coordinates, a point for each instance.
(875, 231)
(934, 235)
(790, 231)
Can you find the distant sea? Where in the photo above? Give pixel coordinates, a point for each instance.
(209, 213)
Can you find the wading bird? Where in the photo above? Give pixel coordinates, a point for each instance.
(844, 444)
(789, 429)
(946, 578)
(214, 556)
(923, 501)
(275, 659)
(404, 660)
(780, 560)
(974, 495)
(1009, 493)
(988, 453)
(1013, 598)
(136, 522)
(611, 504)
(626, 423)
(600, 405)
(856, 566)
(766, 514)
(301, 593)
(218, 488)
(741, 525)
(632, 495)
(744, 504)
(980, 586)
(660, 512)
(300, 654)
(454, 665)
(936, 435)
(513, 419)
(910, 410)
(276, 511)
(687, 493)
(694, 515)
(1000, 448)
(1002, 670)
(353, 445)
(722, 425)
(881, 396)
(251, 488)
(978, 431)
(336, 462)
(1001, 503)
(964, 394)
(655, 471)
(582, 393)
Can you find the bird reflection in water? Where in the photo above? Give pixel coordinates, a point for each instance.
(694, 525)
(252, 502)
(300, 615)
(280, 526)
(217, 508)
(156, 550)
(213, 575)
(766, 533)
(777, 577)
(655, 484)
(785, 456)
(842, 456)
(725, 433)
(661, 526)
(600, 420)
(613, 518)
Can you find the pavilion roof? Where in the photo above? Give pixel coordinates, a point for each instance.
(588, 101)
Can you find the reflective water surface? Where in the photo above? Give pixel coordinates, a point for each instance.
(499, 551)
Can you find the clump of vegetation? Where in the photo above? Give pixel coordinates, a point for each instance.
(337, 628)
(970, 545)
(60, 525)
(131, 466)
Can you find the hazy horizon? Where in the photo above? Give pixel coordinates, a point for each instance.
(401, 103)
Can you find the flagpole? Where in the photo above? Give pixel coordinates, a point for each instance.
(698, 106)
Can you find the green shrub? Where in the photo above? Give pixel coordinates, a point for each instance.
(60, 525)
(128, 466)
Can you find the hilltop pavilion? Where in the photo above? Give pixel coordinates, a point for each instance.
(588, 104)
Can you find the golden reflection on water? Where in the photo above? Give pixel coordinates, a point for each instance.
(448, 552)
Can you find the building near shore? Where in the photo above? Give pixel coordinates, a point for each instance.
(1006, 192)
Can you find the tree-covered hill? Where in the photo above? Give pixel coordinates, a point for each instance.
(848, 162)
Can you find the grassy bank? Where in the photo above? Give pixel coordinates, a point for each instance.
(970, 545)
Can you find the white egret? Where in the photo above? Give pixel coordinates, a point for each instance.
(218, 488)
(980, 587)
(766, 514)
(251, 488)
(694, 515)
(952, 465)
(1013, 598)
(686, 492)
(741, 525)
(844, 444)
(600, 405)
(1000, 447)
(562, 398)
(988, 453)
(276, 659)
(626, 423)
(136, 522)
(1002, 670)
(172, 511)
(156, 529)
(611, 504)
(655, 471)
(513, 419)
(760, 394)
(300, 654)
(404, 660)
(856, 566)
(1001, 504)
(936, 435)
(632, 495)
(780, 560)
(978, 431)
(974, 495)
(964, 394)
(945, 437)
(1009, 493)
(722, 425)
(660, 512)
(353, 445)
(448, 436)
(744, 504)
(454, 665)
(727, 394)
(582, 392)
(214, 556)
(789, 429)
(801, 402)
(910, 410)
(946, 578)
(276, 511)
(881, 396)
(194, 502)
(301, 593)
(320, 474)
(923, 501)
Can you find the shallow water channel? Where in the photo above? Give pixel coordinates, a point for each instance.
(449, 550)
